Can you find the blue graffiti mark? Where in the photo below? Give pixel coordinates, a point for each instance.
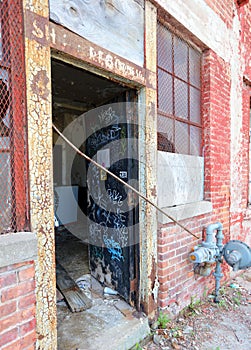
(97, 252)
(113, 248)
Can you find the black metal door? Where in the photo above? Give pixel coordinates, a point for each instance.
(113, 208)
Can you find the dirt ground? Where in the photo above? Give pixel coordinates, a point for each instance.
(205, 325)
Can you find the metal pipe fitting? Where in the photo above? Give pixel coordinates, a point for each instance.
(208, 252)
(209, 243)
(236, 253)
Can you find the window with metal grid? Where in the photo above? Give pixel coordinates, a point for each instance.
(179, 94)
(13, 173)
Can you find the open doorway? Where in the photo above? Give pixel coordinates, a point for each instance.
(79, 100)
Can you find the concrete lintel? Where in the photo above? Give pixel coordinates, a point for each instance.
(185, 211)
(17, 248)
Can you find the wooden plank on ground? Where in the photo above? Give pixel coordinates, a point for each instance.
(74, 296)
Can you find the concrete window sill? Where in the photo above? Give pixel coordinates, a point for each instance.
(17, 248)
(185, 211)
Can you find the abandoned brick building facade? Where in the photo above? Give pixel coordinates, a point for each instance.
(185, 66)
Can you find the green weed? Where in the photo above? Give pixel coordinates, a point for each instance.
(237, 298)
(222, 303)
(163, 320)
(194, 304)
(237, 301)
(222, 290)
(176, 333)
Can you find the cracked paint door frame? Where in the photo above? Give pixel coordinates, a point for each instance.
(41, 38)
(38, 94)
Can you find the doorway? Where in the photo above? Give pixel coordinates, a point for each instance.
(90, 228)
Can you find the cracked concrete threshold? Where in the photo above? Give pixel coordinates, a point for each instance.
(110, 324)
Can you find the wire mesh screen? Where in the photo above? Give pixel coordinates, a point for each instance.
(13, 184)
(179, 93)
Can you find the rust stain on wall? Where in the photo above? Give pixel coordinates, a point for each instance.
(37, 28)
(39, 84)
(151, 80)
(70, 43)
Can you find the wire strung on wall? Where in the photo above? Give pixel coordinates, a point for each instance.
(121, 181)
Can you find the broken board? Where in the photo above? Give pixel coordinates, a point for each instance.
(74, 296)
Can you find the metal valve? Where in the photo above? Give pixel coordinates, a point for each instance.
(202, 254)
(236, 253)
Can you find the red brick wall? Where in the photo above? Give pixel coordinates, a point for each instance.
(244, 170)
(17, 307)
(177, 280)
(241, 218)
(244, 15)
(245, 48)
(216, 121)
(224, 9)
(246, 217)
(175, 272)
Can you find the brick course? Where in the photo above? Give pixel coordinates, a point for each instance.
(17, 307)
(177, 280)
(223, 8)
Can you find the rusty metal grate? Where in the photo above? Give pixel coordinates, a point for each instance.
(179, 93)
(13, 181)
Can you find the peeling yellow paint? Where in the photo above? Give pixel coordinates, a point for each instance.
(37, 53)
(40, 7)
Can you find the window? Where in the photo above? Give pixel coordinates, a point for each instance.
(180, 183)
(179, 95)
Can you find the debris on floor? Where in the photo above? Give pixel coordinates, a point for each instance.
(74, 296)
(109, 316)
(205, 325)
(84, 283)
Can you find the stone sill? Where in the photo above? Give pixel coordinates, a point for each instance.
(185, 211)
(17, 247)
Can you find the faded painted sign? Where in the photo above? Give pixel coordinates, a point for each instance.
(112, 62)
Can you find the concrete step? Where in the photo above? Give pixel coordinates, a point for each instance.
(123, 336)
